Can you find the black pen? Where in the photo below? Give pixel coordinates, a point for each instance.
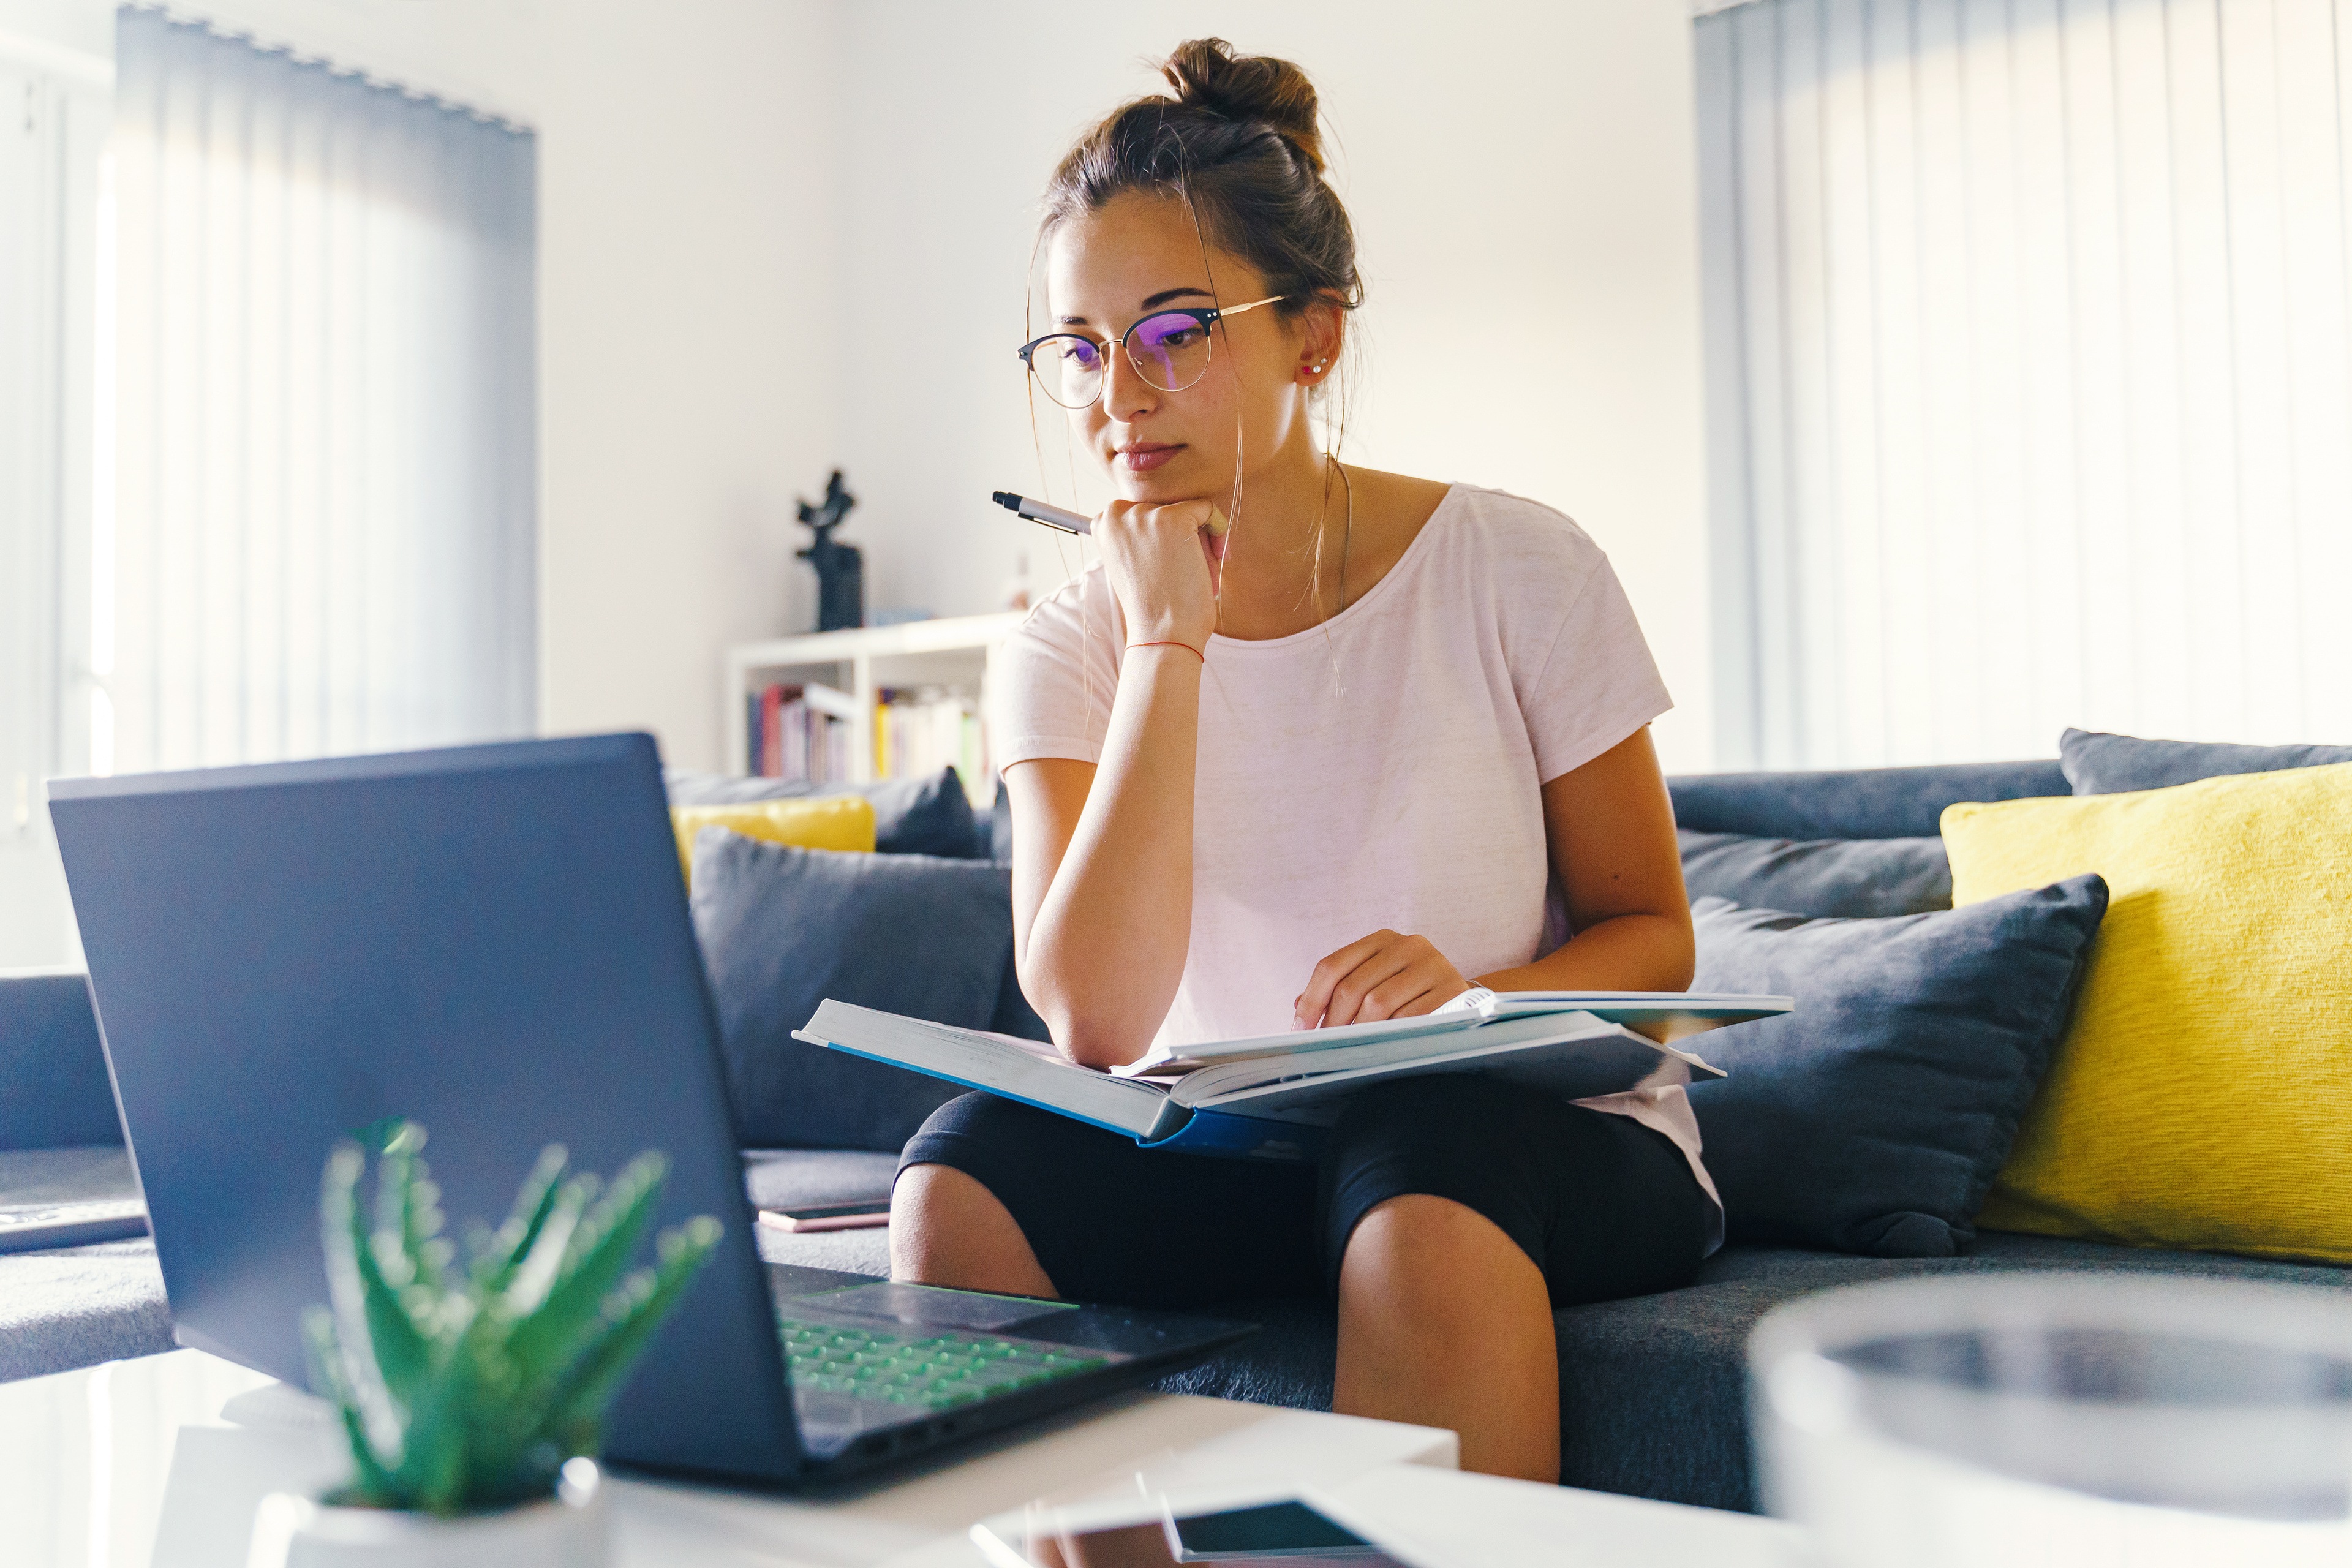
(1038, 512)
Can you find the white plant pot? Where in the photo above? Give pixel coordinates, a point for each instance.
(571, 1530)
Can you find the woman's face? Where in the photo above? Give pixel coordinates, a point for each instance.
(1139, 254)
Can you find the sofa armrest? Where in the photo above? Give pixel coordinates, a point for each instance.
(54, 1092)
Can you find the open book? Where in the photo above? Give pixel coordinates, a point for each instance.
(1271, 1097)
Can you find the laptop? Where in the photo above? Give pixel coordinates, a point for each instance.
(494, 942)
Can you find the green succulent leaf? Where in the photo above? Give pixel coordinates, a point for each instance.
(540, 1268)
(632, 1315)
(596, 1255)
(464, 1390)
(439, 1472)
(370, 1478)
(394, 1342)
(355, 1291)
(503, 1251)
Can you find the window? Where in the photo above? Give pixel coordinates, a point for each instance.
(2030, 373)
(324, 526)
(267, 425)
(52, 127)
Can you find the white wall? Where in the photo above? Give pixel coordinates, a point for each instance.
(1523, 182)
(779, 234)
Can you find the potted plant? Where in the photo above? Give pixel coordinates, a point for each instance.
(473, 1395)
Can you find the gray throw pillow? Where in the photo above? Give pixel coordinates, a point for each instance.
(999, 826)
(783, 929)
(2117, 764)
(1819, 876)
(929, 816)
(1873, 1117)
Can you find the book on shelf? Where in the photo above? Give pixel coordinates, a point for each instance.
(1271, 1097)
(801, 731)
(920, 729)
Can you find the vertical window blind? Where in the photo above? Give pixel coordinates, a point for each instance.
(53, 122)
(323, 535)
(2030, 373)
(50, 131)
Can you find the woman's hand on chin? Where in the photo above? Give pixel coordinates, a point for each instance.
(1385, 975)
(1163, 563)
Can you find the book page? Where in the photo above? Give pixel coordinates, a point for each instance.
(1608, 1059)
(1231, 1078)
(1663, 1015)
(1022, 1069)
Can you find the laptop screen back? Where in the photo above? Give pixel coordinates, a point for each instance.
(492, 942)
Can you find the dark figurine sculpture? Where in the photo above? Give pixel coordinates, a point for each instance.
(840, 570)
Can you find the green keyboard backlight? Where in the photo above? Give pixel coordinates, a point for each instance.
(935, 1372)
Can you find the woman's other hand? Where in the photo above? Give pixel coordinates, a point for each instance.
(1385, 975)
(1163, 563)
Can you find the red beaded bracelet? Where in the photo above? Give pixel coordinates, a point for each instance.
(1188, 648)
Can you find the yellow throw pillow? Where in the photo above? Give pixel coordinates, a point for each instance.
(2202, 1098)
(811, 822)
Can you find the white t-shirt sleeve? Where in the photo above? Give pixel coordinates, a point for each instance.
(1052, 683)
(1596, 683)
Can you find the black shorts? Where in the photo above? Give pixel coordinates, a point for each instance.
(1605, 1206)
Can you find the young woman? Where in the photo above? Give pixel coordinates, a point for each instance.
(1307, 748)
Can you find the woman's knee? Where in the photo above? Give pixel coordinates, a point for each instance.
(1417, 1243)
(976, 1115)
(948, 1228)
(930, 1202)
(1438, 1159)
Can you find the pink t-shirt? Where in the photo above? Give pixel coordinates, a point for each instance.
(1381, 770)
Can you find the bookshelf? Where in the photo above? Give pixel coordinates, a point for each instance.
(953, 653)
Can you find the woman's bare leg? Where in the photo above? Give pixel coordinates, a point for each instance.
(1444, 1321)
(948, 1229)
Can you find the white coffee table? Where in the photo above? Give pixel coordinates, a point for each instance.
(160, 1461)
(1437, 1518)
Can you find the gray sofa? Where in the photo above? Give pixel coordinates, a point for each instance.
(1653, 1389)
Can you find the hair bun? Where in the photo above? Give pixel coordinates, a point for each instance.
(1208, 75)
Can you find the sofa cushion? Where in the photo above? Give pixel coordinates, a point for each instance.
(1867, 876)
(2119, 764)
(54, 1088)
(778, 1178)
(79, 1306)
(844, 822)
(929, 816)
(1654, 1390)
(2199, 1099)
(783, 929)
(1858, 803)
(1874, 1116)
(795, 1178)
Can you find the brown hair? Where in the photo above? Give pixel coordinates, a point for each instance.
(1238, 143)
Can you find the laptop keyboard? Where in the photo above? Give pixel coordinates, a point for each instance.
(925, 1371)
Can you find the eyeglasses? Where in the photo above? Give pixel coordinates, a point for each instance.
(1169, 349)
